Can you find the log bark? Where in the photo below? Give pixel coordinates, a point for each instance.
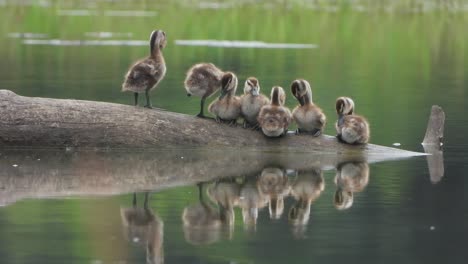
(60, 123)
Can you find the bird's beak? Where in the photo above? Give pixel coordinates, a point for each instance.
(222, 94)
(301, 100)
(255, 92)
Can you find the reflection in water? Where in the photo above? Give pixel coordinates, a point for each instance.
(203, 224)
(273, 184)
(250, 201)
(435, 162)
(225, 193)
(306, 188)
(350, 177)
(142, 226)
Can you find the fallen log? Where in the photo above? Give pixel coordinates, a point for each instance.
(60, 123)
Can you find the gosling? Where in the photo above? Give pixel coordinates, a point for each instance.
(309, 118)
(251, 102)
(227, 108)
(350, 128)
(203, 80)
(146, 74)
(275, 118)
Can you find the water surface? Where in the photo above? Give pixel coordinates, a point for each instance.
(395, 59)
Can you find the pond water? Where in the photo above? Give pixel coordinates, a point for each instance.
(395, 59)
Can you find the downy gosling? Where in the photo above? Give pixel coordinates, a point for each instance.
(227, 107)
(275, 118)
(251, 102)
(350, 128)
(203, 80)
(147, 73)
(309, 118)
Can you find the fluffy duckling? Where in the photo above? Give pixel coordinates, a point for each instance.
(203, 80)
(308, 116)
(275, 118)
(251, 102)
(306, 189)
(227, 107)
(351, 129)
(147, 73)
(273, 183)
(350, 177)
(143, 227)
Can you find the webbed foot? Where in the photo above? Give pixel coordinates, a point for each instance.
(148, 106)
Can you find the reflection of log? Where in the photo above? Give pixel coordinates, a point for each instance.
(435, 162)
(44, 122)
(59, 173)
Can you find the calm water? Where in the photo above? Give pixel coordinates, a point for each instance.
(395, 60)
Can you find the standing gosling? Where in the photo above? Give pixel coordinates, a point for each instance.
(309, 117)
(351, 129)
(275, 118)
(251, 102)
(227, 107)
(203, 80)
(146, 74)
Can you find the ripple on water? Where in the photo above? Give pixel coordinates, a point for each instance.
(243, 44)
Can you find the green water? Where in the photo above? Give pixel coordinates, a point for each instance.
(394, 58)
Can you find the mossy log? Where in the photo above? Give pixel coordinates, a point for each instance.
(60, 123)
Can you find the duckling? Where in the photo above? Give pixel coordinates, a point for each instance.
(306, 189)
(308, 116)
(273, 184)
(351, 129)
(227, 107)
(202, 223)
(350, 177)
(147, 73)
(203, 80)
(274, 118)
(251, 102)
(144, 227)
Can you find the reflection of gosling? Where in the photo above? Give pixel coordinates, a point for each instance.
(273, 184)
(144, 227)
(202, 222)
(146, 74)
(351, 128)
(227, 108)
(308, 116)
(306, 189)
(275, 118)
(226, 195)
(251, 102)
(203, 80)
(350, 177)
(250, 201)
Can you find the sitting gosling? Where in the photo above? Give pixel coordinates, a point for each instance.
(309, 117)
(251, 102)
(203, 80)
(227, 107)
(351, 129)
(275, 118)
(146, 74)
